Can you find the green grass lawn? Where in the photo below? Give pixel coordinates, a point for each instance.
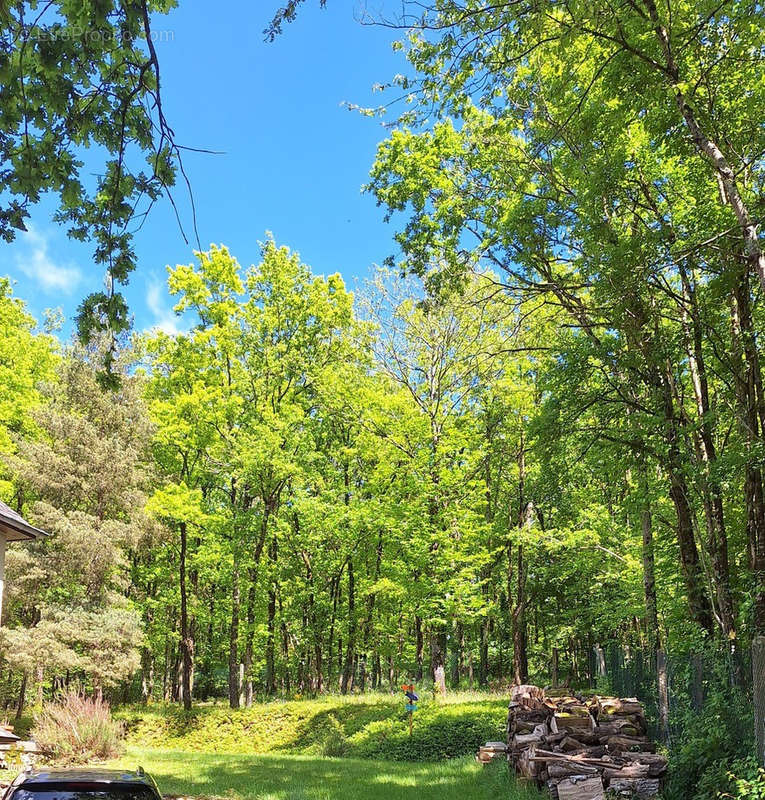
(298, 777)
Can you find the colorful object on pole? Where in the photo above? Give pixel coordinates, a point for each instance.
(408, 690)
(411, 702)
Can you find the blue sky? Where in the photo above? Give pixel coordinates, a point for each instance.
(294, 161)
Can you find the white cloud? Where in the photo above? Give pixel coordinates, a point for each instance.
(36, 263)
(165, 318)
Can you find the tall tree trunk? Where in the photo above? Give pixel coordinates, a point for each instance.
(252, 576)
(271, 622)
(187, 643)
(652, 615)
(459, 654)
(233, 643)
(22, 696)
(519, 620)
(335, 593)
(717, 539)
(369, 614)
(438, 660)
(483, 652)
(166, 681)
(525, 520)
(698, 602)
(350, 653)
(750, 413)
(419, 646)
(147, 675)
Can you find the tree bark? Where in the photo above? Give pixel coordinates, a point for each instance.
(438, 661)
(22, 696)
(187, 643)
(717, 539)
(271, 622)
(250, 636)
(419, 646)
(459, 651)
(346, 684)
(233, 645)
(483, 653)
(652, 615)
(749, 392)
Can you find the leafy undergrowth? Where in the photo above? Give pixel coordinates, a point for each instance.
(293, 777)
(372, 726)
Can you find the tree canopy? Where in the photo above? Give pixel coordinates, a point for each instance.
(536, 435)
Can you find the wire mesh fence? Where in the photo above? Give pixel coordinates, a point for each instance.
(679, 688)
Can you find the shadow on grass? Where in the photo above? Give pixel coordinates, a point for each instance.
(276, 777)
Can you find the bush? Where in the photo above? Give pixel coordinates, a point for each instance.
(370, 726)
(334, 742)
(741, 779)
(708, 748)
(75, 729)
(448, 731)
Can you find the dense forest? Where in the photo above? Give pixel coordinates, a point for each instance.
(537, 433)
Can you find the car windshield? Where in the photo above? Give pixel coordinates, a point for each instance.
(82, 791)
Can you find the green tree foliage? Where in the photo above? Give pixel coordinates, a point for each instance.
(26, 359)
(79, 76)
(535, 446)
(83, 479)
(621, 206)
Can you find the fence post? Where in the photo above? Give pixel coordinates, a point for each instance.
(758, 682)
(555, 667)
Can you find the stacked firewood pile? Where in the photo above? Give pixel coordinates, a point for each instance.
(582, 748)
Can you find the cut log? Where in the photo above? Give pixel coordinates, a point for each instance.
(524, 739)
(618, 744)
(552, 787)
(527, 764)
(627, 772)
(570, 744)
(591, 751)
(642, 788)
(574, 723)
(620, 705)
(527, 696)
(656, 762)
(581, 787)
(564, 769)
(619, 727)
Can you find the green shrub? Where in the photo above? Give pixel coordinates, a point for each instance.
(335, 742)
(75, 729)
(373, 726)
(741, 779)
(437, 733)
(707, 746)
